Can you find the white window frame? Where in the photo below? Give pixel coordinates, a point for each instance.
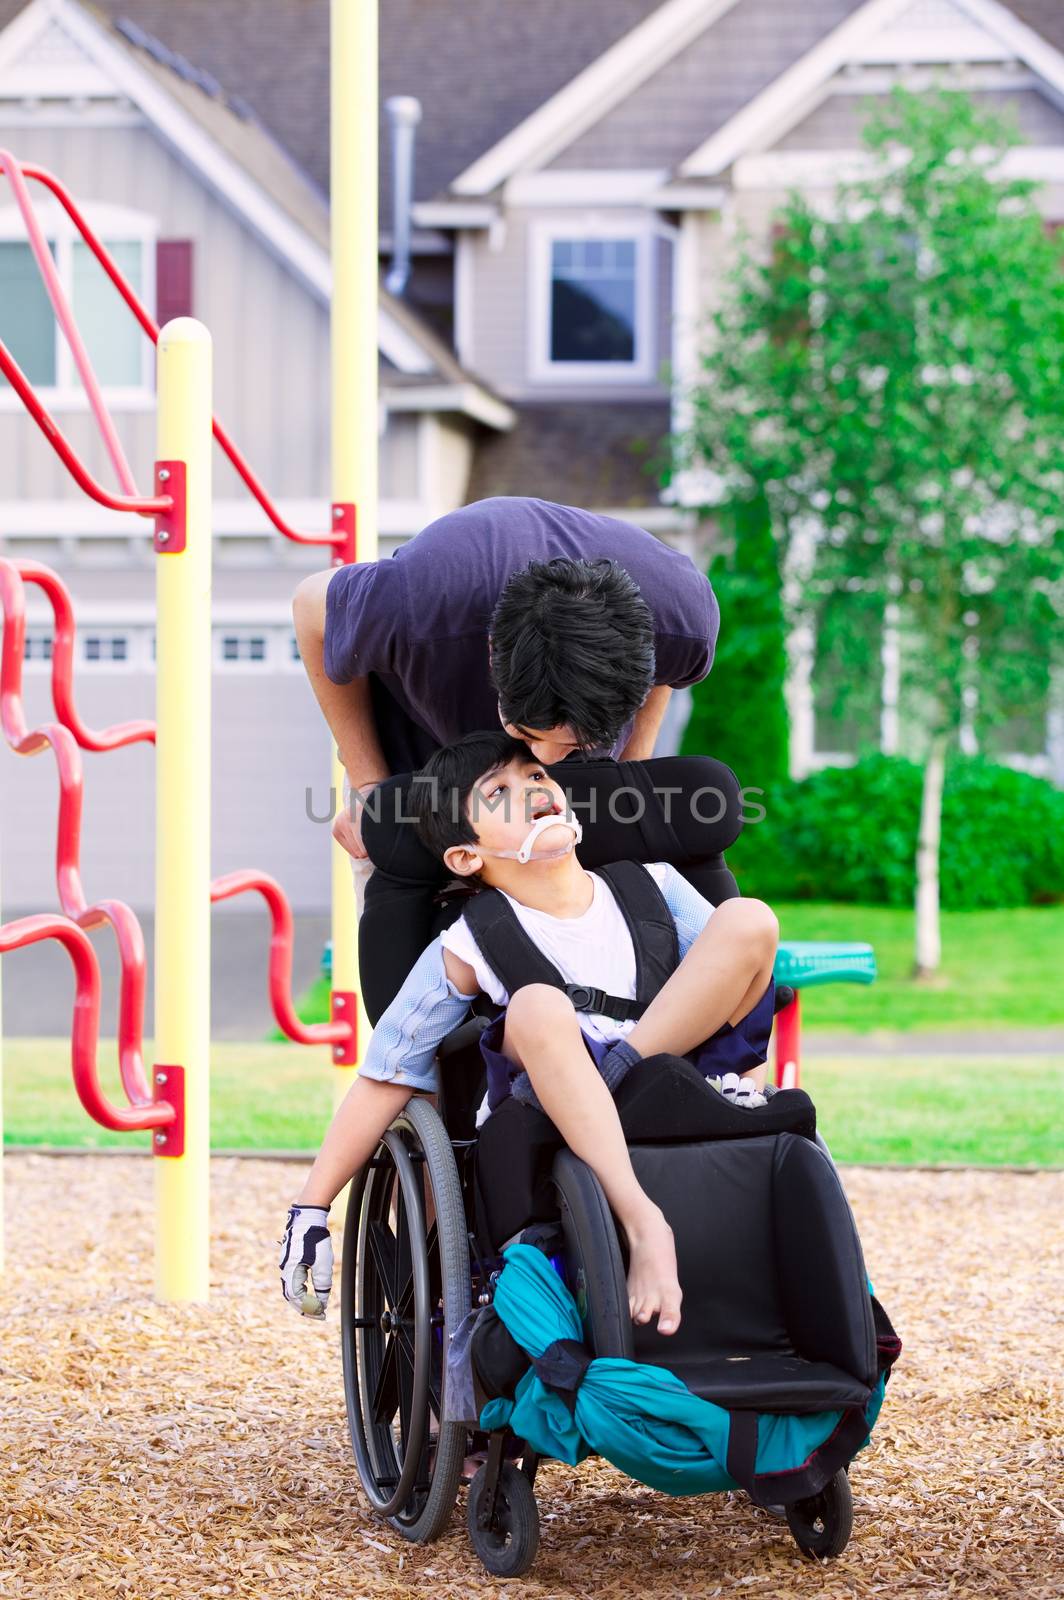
(289, 653)
(279, 655)
(221, 631)
(135, 647)
(542, 237)
(114, 225)
(34, 633)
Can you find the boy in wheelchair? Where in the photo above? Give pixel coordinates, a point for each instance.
(696, 980)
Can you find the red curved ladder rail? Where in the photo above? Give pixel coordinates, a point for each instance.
(68, 734)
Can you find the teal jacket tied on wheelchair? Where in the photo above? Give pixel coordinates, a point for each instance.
(642, 1418)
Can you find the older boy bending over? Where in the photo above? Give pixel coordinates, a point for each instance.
(489, 810)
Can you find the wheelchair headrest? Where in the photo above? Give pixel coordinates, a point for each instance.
(680, 809)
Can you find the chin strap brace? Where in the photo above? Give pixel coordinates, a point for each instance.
(550, 819)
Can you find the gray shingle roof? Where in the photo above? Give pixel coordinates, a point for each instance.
(666, 118)
(590, 454)
(1044, 16)
(479, 67)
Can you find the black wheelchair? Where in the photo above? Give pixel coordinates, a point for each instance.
(777, 1314)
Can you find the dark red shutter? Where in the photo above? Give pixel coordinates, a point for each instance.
(173, 279)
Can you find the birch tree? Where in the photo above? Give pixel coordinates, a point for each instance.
(889, 375)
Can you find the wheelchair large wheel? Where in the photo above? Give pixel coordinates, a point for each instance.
(405, 1289)
(822, 1524)
(594, 1264)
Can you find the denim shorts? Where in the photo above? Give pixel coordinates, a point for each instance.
(731, 1049)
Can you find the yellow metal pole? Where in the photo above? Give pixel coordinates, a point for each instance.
(353, 200)
(183, 811)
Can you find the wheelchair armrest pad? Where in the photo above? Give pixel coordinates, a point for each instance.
(466, 1033)
(665, 1100)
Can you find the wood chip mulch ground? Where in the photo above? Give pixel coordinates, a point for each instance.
(154, 1451)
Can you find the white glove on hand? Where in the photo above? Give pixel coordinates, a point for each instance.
(307, 1245)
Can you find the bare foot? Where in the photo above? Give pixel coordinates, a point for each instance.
(653, 1284)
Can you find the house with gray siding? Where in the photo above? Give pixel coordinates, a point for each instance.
(207, 214)
(583, 169)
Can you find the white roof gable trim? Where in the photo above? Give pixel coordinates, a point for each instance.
(46, 62)
(986, 30)
(92, 51)
(585, 99)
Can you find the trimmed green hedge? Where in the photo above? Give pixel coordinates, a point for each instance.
(849, 834)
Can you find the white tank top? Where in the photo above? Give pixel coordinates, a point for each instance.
(594, 948)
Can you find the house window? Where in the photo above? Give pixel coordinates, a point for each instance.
(121, 355)
(113, 338)
(591, 303)
(243, 647)
(38, 647)
(593, 300)
(105, 647)
(27, 325)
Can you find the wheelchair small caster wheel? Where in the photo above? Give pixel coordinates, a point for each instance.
(507, 1544)
(822, 1524)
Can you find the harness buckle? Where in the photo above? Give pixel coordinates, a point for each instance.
(585, 999)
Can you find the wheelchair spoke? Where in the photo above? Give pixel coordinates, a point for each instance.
(406, 1385)
(404, 1266)
(386, 1393)
(406, 1296)
(405, 1337)
(383, 1248)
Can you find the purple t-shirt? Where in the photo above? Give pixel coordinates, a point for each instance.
(419, 621)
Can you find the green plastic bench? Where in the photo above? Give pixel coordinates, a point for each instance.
(801, 964)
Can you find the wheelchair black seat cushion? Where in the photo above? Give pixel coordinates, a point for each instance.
(777, 1313)
(662, 1100)
(683, 809)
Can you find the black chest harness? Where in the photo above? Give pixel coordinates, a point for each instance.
(516, 960)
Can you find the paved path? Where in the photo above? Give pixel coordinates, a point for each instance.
(1011, 1042)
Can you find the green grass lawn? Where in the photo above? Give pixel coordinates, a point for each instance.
(1000, 970)
(263, 1096)
(904, 1110)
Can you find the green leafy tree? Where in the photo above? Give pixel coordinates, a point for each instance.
(739, 713)
(891, 380)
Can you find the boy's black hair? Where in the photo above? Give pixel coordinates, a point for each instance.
(572, 645)
(439, 792)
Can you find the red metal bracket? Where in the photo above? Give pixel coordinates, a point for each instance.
(345, 521)
(789, 1044)
(171, 526)
(344, 1008)
(168, 1087)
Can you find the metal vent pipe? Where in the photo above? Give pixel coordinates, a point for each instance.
(404, 114)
